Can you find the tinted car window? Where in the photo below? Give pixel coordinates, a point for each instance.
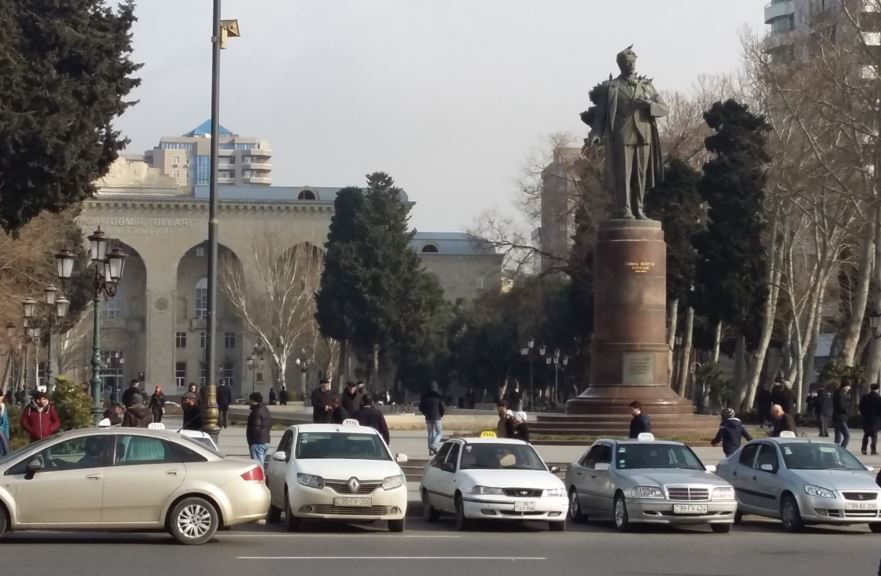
(593, 456)
(748, 455)
(287, 440)
(441, 455)
(453, 456)
(767, 457)
(73, 454)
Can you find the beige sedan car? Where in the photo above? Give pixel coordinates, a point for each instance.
(128, 479)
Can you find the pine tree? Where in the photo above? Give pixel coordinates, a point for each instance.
(65, 70)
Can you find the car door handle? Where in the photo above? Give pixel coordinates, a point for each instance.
(94, 476)
(578, 473)
(754, 478)
(171, 472)
(592, 476)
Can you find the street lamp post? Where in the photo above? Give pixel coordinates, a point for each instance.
(526, 351)
(304, 366)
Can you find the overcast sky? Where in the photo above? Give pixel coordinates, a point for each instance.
(448, 96)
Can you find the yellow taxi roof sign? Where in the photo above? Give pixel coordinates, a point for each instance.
(488, 434)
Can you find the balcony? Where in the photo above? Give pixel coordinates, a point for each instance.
(776, 10)
(259, 179)
(257, 165)
(225, 180)
(264, 152)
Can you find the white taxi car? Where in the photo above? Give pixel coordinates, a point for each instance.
(493, 479)
(336, 472)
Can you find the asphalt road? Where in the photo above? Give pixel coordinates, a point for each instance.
(755, 547)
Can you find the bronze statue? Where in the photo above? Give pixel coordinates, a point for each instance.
(623, 116)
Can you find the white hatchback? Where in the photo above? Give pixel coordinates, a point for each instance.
(492, 479)
(336, 472)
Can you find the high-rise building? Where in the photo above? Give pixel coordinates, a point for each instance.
(187, 158)
(558, 195)
(788, 21)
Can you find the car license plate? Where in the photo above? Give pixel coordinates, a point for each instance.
(859, 506)
(689, 509)
(524, 506)
(357, 501)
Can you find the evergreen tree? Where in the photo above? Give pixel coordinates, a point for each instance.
(731, 267)
(65, 69)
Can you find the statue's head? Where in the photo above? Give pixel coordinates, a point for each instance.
(627, 60)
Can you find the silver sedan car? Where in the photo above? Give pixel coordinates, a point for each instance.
(648, 481)
(128, 479)
(802, 482)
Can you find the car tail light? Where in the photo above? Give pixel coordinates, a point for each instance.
(255, 474)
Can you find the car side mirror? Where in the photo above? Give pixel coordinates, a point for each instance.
(279, 456)
(601, 466)
(401, 458)
(448, 467)
(768, 468)
(554, 469)
(34, 466)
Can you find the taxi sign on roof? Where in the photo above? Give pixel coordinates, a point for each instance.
(488, 434)
(787, 434)
(646, 437)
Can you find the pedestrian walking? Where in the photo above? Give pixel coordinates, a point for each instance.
(4, 416)
(370, 415)
(640, 422)
(157, 404)
(432, 407)
(258, 428)
(283, 395)
(130, 391)
(351, 398)
(841, 412)
(273, 398)
(224, 400)
(731, 431)
(823, 410)
(137, 415)
(870, 418)
(783, 422)
(321, 408)
(192, 414)
(39, 418)
(505, 424)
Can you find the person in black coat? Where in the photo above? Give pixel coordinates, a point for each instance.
(258, 428)
(351, 398)
(224, 399)
(129, 392)
(783, 422)
(640, 423)
(272, 396)
(785, 397)
(192, 414)
(823, 410)
(283, 395)
(157, 404)
(841, 412)
(731, 431)
(370, 415)
(432, 407)
(870, 417)
(321, 407)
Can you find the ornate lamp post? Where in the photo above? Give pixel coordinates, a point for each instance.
(526, 352)
(304, 366)
(255, 360)
(108, 272)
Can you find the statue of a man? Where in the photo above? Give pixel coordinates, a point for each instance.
(624, 117)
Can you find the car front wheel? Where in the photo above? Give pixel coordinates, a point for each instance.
(874, 527)
(575, 513)
(430, 512)
(396, 525)
(790, 514)
(293, 523)
(461, 520)
(4, 522)
(721, 528)
(194, 521)
(619, 514)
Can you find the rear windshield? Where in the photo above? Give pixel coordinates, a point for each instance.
(340, 445)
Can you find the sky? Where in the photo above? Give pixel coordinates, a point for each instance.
(450, 97)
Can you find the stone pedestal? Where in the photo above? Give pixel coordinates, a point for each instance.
(629, 348)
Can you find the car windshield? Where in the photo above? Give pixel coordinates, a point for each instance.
(340, 445)
(500, 457)
(818, 457)
(636, 456)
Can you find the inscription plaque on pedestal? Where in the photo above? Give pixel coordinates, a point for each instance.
(637, 368)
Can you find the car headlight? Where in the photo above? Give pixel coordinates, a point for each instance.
(723, 493)
(646, 492)
(817, 491)
(310, 480)
(554, 492)
(487, 491)
(393, 482)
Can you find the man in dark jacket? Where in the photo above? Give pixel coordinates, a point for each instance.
(39, 418)
(640, 423)
(192, 414)
(783, 422)
(870, 417)
(283, 395)
(115, 413)
(431, 405)
(785, 397)
(257, 430)
(823, 410)
(224, 400)
(351, 398)
(321, 407)
(137, 415)
(841, 412)
(370, 415)
(129, 392)
(730, 433)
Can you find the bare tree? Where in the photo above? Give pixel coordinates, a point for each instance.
(279, 304)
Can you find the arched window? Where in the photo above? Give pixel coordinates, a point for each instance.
(306, 195)
(430, 249)
(201, 299)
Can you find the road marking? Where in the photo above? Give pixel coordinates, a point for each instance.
(479, 558)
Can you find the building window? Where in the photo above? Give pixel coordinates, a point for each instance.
(112, 362)
(175, 160)
(41, 373)
(783, 24)
(175, 173)
(244, 146)
(200, 251)
(180, 339)
(203, 374)
(111, 308)
(201, 299)
(229, 340)
(226, 374)
(203, 339)
(306, 195)
(180, 374)
(203, 167)
(430, 249)
(480, 284)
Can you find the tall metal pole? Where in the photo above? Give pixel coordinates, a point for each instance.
(96, 357)
(210, 413)
(49, 386)
(531, 394)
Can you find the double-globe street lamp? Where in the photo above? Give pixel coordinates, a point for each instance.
(527, 352)
(254, 361)
(57, 309)
(556, 359)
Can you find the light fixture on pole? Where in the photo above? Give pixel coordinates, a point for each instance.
(64, 260)
(526, 351)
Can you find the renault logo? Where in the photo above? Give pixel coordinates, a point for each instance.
(860, 496)
(354, 484)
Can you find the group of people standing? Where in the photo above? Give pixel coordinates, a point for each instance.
(133, 411)
(354, 403)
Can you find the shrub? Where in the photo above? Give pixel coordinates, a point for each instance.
(73, 403)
